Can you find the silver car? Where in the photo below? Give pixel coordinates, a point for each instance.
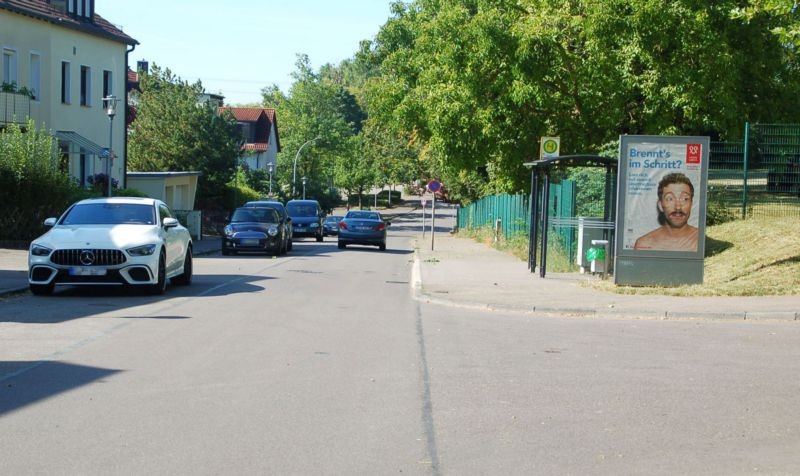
(112, 241)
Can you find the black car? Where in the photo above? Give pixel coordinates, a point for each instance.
(278, 206)
(257, 229)
(306, 218)
(331, 225)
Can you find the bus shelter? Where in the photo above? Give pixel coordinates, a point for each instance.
(541, 171)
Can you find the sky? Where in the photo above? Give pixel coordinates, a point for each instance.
(238, 47)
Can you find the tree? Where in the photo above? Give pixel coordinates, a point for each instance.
(173, 131)
(478, 82)
(314, 107)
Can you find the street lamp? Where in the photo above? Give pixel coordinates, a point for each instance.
(304, 179)
(110, 105)
(296, 156)
(270, 168)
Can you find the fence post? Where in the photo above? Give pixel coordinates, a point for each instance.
(744, 169)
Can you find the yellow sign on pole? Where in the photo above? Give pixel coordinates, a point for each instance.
(549, 147)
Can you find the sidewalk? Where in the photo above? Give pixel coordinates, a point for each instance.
(462, 272)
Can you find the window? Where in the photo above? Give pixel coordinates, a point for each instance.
(86, 86)
(36, 76)
(10, 66)
(108, 84)
(81, 8)
(65, 83)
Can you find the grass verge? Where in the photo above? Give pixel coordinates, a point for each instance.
(754, 257)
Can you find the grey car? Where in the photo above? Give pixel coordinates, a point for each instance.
(362, 227)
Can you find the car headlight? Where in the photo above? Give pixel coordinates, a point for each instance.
(145, 250)
(272, 231)
(39, 250)
(228, 230)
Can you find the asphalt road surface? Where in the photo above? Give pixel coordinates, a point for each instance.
(320, 362)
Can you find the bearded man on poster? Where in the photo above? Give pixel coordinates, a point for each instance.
(675, 196)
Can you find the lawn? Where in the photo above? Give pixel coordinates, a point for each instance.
(754, 257)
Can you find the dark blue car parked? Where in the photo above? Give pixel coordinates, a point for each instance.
(307, 218)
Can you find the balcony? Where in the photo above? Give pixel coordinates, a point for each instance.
(14, 108)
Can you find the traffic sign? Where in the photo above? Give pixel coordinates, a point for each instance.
(434, 185)
(550, 147)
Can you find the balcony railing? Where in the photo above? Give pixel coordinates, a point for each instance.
(14, 108)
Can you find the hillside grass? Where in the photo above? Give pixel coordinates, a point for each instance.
(754, 257)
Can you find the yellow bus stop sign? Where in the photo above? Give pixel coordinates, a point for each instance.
(549, 147)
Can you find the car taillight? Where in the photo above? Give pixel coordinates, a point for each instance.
(380, 227)
(342, 225)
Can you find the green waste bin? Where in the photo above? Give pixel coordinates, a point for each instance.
(595, 254)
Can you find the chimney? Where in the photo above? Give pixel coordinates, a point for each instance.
(142, 66)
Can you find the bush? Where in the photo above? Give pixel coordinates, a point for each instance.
(31, 185)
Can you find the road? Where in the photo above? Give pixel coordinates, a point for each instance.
(322, 363)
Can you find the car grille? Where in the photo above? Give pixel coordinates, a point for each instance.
(88, 257)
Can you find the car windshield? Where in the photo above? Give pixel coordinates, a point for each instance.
(110, 214)
(301, 210)
(255, 215)
(363, 215)
(278, 207)
(332, 219)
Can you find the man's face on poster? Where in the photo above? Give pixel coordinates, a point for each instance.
(676, 204)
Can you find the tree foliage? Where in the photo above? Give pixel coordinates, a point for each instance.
(476, 83)
(174, 131)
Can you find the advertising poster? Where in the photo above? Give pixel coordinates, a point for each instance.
(662, 206)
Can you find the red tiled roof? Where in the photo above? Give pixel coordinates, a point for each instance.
(255, 114)
(261, 147)
(249, 114)
(42, 10)
(133, 76)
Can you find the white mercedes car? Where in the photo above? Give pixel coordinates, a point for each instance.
(112, 241)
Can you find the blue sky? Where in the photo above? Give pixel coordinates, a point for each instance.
(237, 47)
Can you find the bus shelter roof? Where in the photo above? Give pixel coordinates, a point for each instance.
(580, 160)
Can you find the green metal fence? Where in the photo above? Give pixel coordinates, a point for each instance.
(759, 176)
(514, 213)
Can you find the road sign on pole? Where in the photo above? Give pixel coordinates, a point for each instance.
(434, 186)
(549, 147)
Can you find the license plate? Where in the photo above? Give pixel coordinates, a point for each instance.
(250, 242)
(84, 271)
(364, 228)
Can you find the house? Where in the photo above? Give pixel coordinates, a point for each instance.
(259, 128)
(60, 59)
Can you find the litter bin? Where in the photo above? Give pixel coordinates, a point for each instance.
(597, 259)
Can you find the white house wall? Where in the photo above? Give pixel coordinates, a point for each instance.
(54, 44)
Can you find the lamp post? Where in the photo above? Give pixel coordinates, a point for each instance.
(304, 179)
(270, 168)
(296, 156)
(110, 105)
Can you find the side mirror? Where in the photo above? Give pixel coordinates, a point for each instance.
(50, 221)
(170, 222)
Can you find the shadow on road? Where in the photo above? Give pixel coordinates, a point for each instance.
(25, 383)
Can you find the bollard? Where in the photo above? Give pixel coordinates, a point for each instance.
(497, 227)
